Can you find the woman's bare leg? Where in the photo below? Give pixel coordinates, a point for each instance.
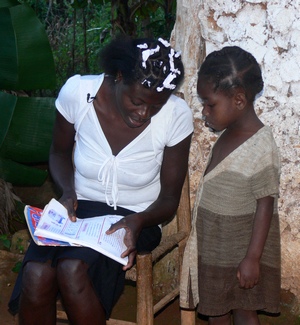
(38, 295)
(245, 317)
(78, 296)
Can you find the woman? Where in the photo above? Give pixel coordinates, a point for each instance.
(131, 155)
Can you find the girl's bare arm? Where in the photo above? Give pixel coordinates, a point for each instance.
(248, 270)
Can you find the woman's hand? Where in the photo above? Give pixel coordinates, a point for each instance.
(133, 226)
(69, 201)
(248, 272)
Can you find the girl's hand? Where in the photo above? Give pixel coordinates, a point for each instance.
(133, 226)
(248, 272)
(70, 203)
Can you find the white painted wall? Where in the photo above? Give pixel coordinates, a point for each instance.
(270, 30)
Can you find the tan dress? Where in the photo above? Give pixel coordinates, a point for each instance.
(222, 228)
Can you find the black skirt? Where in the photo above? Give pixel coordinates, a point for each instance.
(107, 275)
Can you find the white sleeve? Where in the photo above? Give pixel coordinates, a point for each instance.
(68, 100)
(181, 123)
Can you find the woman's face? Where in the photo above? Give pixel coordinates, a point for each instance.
(138, 104)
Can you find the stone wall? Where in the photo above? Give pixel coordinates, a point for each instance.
(270, 30)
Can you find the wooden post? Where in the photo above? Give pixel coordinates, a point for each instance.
(144, 287)
(188, 317)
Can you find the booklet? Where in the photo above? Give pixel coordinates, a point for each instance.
(32, 217)
(52, 227)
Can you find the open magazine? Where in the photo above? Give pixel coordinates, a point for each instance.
(52, 227)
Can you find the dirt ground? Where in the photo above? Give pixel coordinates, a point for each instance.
(125, 308)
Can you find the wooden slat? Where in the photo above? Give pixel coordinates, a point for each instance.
(118, 322)
(167, 244)
(165, 300)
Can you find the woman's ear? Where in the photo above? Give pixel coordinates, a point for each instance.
(119, 77)
(240, 100)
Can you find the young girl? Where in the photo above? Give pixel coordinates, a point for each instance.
(232, 259)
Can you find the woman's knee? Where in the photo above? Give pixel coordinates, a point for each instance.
(72, 275)
(38, 280)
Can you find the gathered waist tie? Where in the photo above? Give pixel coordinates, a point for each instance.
(108, 175)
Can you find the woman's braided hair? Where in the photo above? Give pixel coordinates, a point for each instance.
(233, 67)
(152, 63)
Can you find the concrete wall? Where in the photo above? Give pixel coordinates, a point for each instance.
(270, 30)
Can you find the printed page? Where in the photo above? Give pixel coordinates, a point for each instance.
(90, 232)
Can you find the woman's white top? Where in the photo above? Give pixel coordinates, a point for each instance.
(131, 179)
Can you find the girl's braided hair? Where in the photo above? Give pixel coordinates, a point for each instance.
(233, 67)
(153, 63)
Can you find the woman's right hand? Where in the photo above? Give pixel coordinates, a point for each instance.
(70, 203)
(133, 225)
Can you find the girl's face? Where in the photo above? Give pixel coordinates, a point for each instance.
(137, 104)
(219, 110)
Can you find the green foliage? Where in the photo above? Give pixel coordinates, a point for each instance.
(26, 58)
(19, 246)
(17, 267)
(154, 18)
(78, 30)
(28, 135)
(26, 64)
(5, 241)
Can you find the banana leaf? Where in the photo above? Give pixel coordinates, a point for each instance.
(29, 133)
(8, 3)
(26, 60)
(21, 175)
(8, 104)
(26, 63)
